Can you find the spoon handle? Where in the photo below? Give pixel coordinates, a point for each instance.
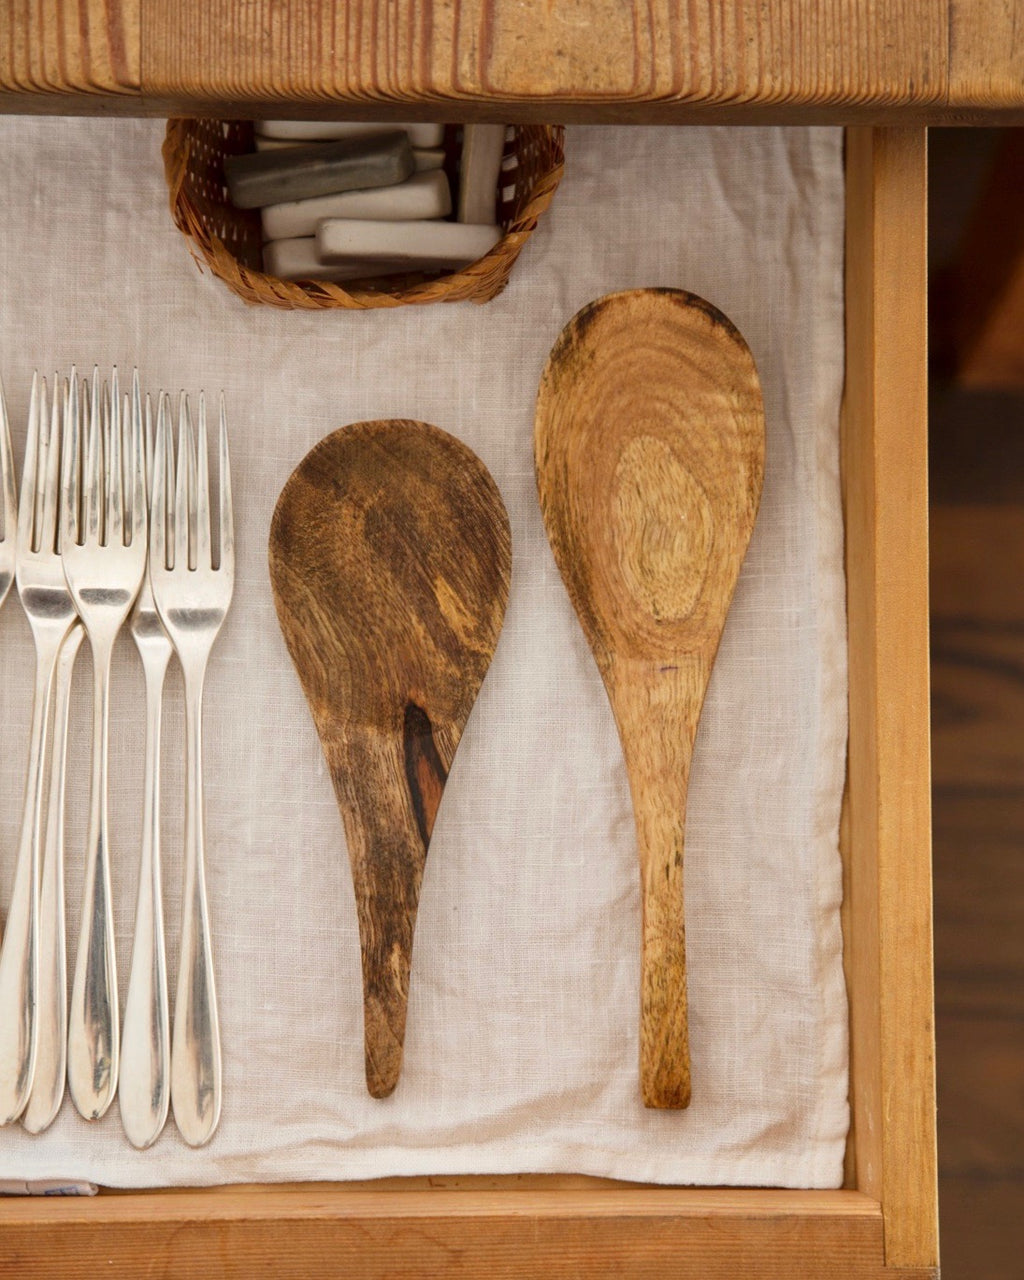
(658, 746)
(388, 829)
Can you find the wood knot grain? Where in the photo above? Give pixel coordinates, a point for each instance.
(663, 528)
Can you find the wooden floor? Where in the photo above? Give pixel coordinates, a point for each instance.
(977, 583)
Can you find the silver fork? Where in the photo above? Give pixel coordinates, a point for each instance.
(104, 551)
(8, 503)
(192, 598)
(52, 1017)
(143, 1089)
(51, 613)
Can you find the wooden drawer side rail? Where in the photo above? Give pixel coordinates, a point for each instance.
(888, 911)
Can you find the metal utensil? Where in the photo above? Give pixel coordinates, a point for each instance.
(192, 597)
(144, 1084)
(8, 503)
(52, 1017)
(104, 551)
(51, 611)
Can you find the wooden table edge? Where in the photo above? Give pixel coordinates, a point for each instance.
(831, 111)
(796, 61)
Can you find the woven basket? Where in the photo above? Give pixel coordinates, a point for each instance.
(230, 240)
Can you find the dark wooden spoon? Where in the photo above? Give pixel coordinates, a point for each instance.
(650, 454)
(390, 558)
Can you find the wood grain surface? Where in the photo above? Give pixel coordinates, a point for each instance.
(887, 845)
(536, 1232)
(479, 51)
(544, 60)
(390, 558)
(650, 456)
(986, 57)
(67, 55)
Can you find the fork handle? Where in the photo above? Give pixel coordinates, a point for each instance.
(143, 1088)
(195, 1049)
(93, 1048)
(51, 1056)
(19, 959)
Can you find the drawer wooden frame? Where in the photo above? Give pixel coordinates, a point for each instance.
(884, 1222)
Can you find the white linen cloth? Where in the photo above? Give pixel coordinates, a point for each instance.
(521, 1052)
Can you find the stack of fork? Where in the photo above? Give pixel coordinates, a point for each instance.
(112, 525)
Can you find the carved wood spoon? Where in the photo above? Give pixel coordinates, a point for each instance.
(650, 454)
(390, 558)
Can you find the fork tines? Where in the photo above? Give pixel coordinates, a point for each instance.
(180, 520)
(103, 479)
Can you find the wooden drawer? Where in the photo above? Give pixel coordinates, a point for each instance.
(884, 1222)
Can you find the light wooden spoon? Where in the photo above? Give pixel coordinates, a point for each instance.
(390, 558)
(650, 455)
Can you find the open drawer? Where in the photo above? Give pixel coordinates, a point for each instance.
(884, 1221)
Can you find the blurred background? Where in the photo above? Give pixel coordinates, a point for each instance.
(976, 250)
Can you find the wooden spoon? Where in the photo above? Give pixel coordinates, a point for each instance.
(390, 557)
(650, 454)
